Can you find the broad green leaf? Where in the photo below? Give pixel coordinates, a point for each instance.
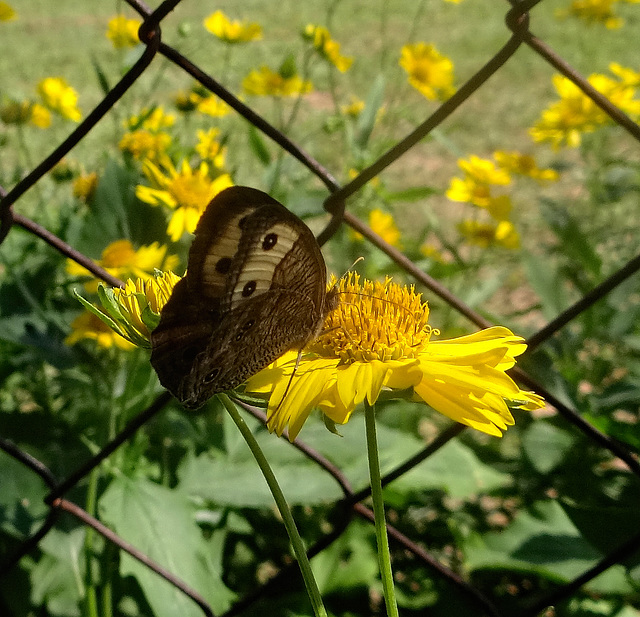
(229, 482)
(58, 577)
(21, 507)
(161, 523)
(351, 561)
(546, 445)
(542, 541)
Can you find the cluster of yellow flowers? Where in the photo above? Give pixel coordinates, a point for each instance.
(476, 188)
(595, 12)
(55, 95)
(123, 32)
(564, 121)
(327, 48)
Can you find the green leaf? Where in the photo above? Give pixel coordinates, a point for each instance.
(21, 506)
(350, 562)
(575, 244)
(227, 481)
(258, 146)
(546, 446)
(367, 119)
(161, 523)
(101, 315)
(544, 542)
(57, 578)
(103, 80)
(413, 194)
(288, 67)
(547, 283)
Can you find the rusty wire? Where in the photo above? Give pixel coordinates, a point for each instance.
(517, 21)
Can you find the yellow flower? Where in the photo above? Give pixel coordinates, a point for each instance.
(593, 11)
(123, 261)
(564, 121)
(152, 119)
(144, 144)
(502, 234)
(58, 96)
(139, 304)
(627, 76)
(186, 101)
(475, 187)
(185, 191)
(232, 31)
(384, 225)
(327, 48)
(429, 71)
(89, 326)
(265, 82)
(123, 32)
(354, 108)
(6, 12)
(524, 165)
(378, 340)
(213, 106)
(40, 116)
(133, 311)
(84, 187)
(432, 252)
(210, 148)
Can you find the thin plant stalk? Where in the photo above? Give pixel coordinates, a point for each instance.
(384, 557)
(283, 507)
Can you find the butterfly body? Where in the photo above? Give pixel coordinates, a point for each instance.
(255, 287)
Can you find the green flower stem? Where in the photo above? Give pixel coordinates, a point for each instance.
(384, 558)
(281, 502)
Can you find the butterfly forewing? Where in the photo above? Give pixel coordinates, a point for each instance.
(255, 287)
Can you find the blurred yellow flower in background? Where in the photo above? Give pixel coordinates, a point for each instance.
(144, 144)
(121, 260)
(502, 234)
(593, 12)
(89, 326)
(58, 96)
(383, 224)
(378, 340)
(84, 186)
(151, 119)
(354, 108)
(564, 121)
(123, 32)
(265, 82)
(524, 165)
(185, 191)
(327, 48)
(475, 187)
(429, 71)
(209, 148)
(6, 12)
(232, 31)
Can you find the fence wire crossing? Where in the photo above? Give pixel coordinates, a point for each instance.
(517, 23)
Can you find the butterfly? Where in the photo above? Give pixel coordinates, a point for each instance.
(255, 287)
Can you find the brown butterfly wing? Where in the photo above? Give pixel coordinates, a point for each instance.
(255, 287)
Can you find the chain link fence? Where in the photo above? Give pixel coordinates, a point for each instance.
(517, 20)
